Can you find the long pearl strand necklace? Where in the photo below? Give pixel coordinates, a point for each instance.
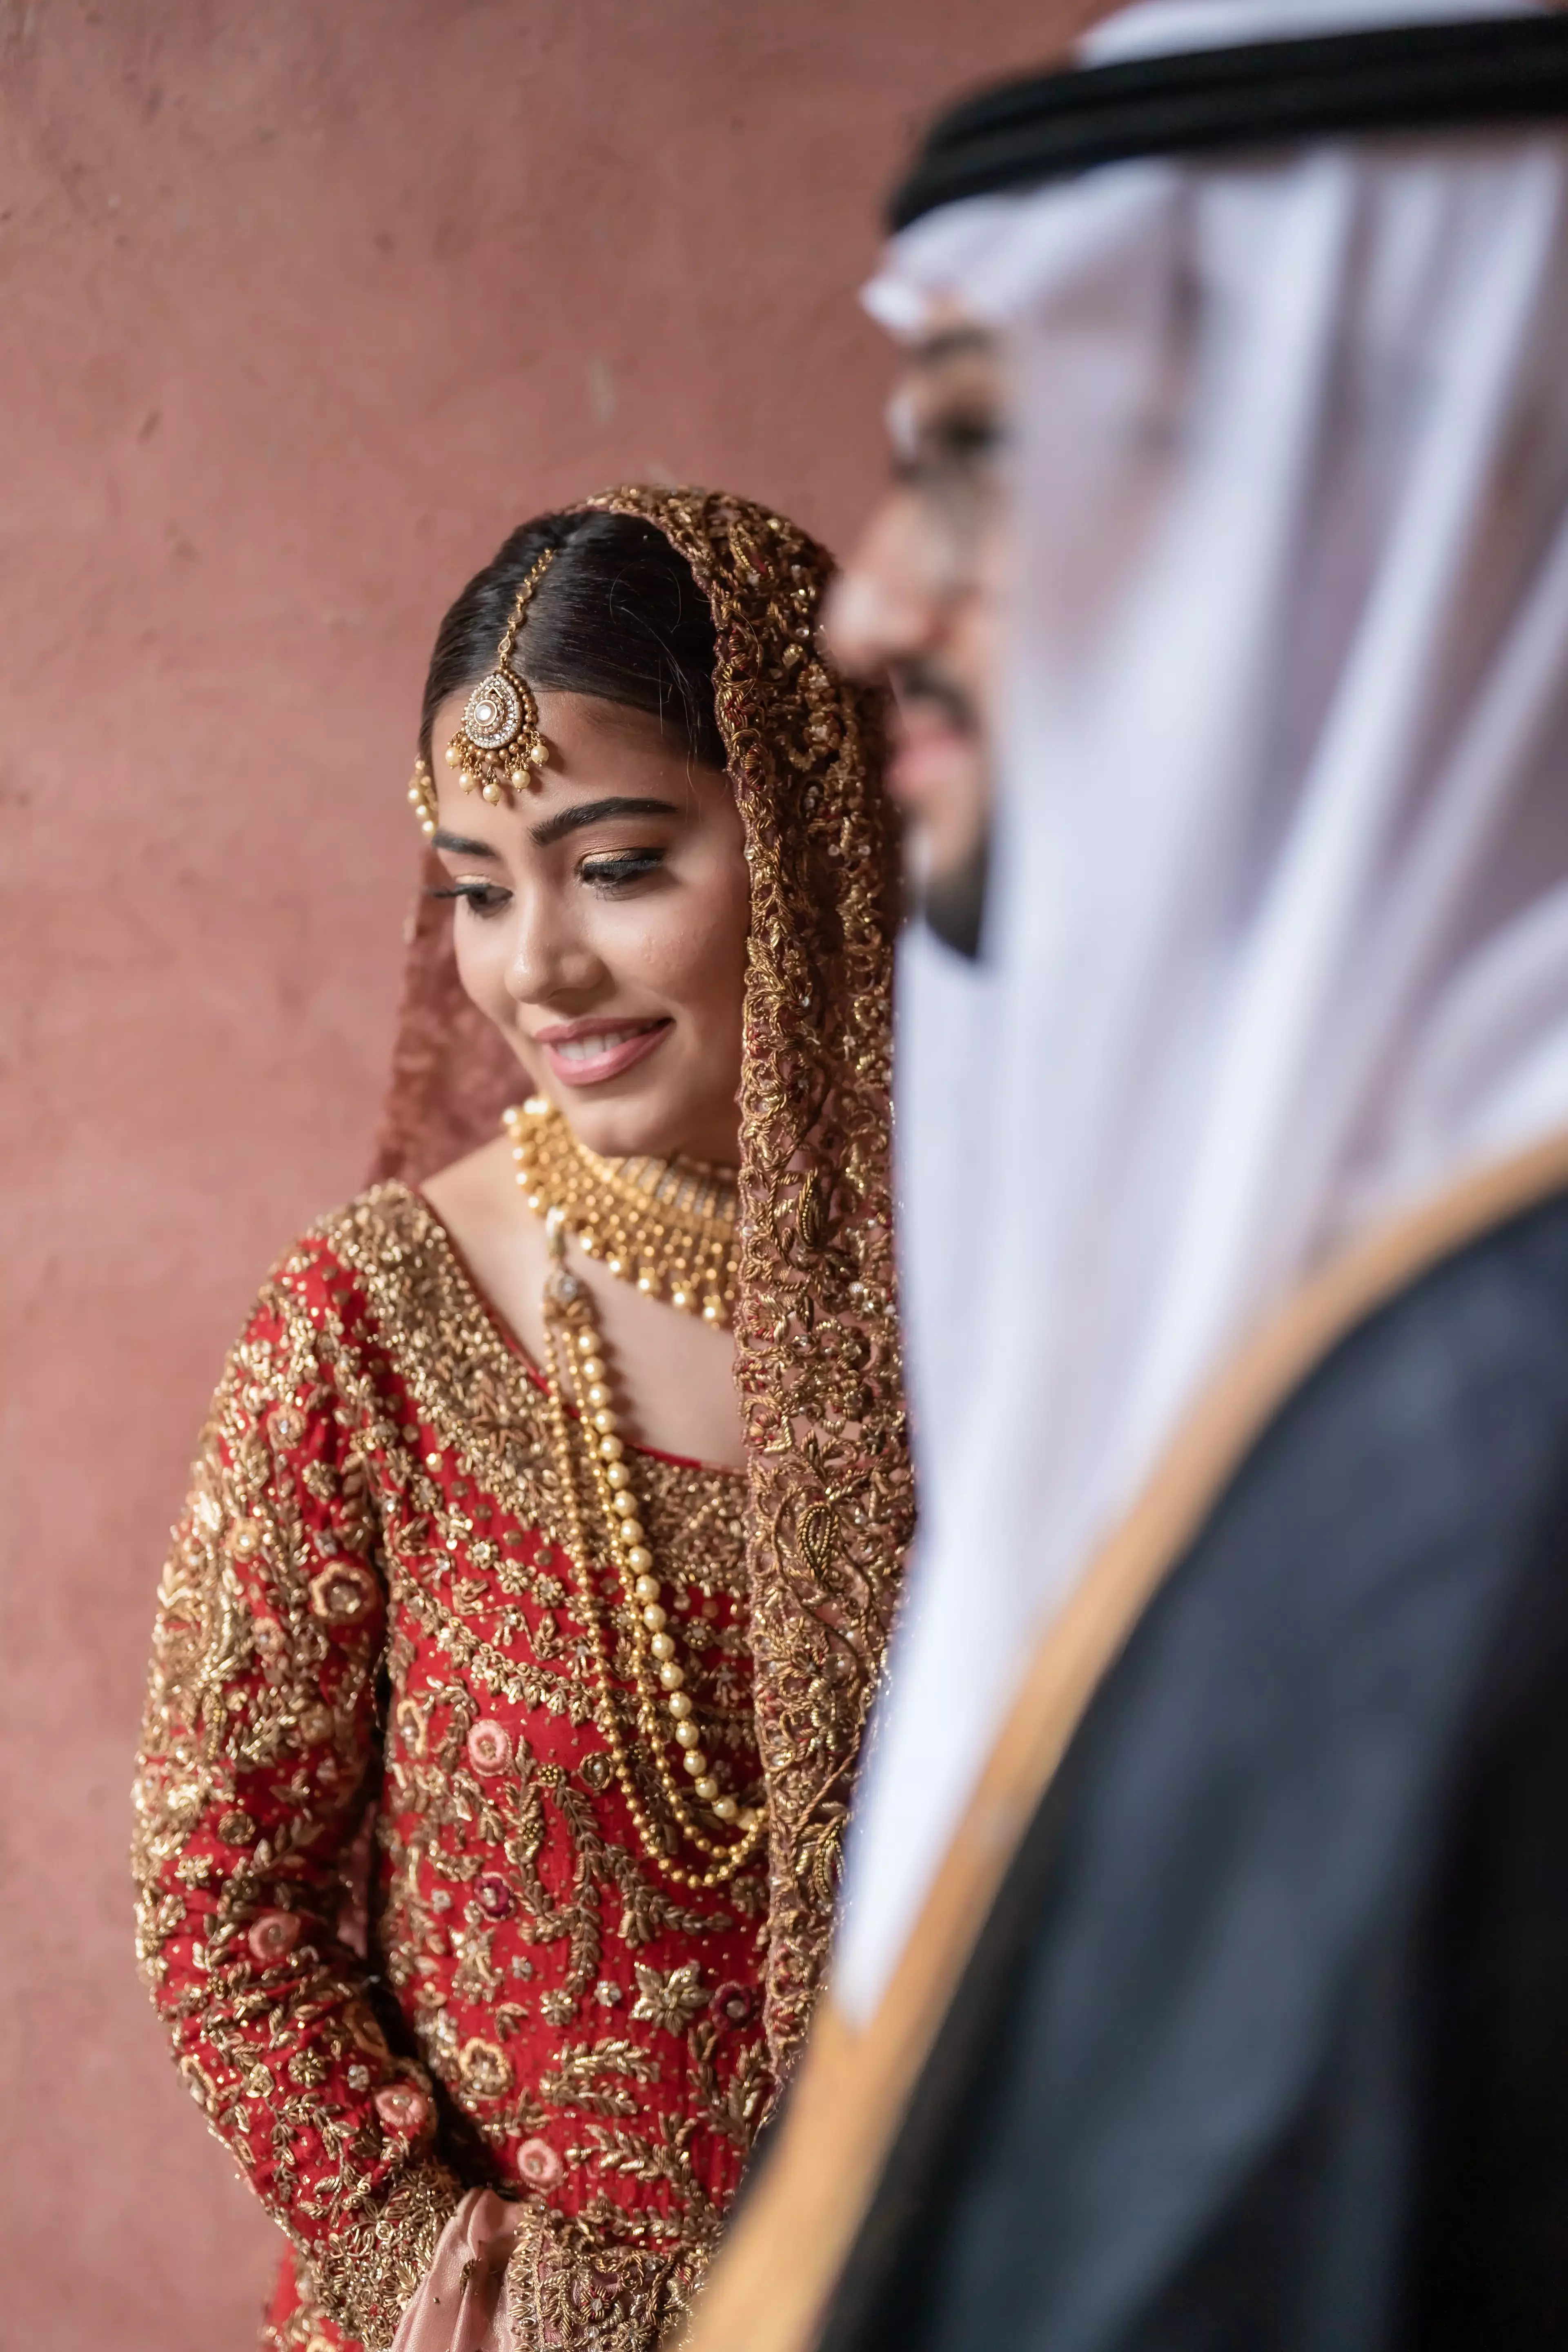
(575, 1369)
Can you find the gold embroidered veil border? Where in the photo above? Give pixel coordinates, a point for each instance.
(816, 1338)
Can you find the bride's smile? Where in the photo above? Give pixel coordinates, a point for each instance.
(585, 1052)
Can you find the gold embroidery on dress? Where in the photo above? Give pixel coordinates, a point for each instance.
(210, 1634)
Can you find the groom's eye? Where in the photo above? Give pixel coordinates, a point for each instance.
(967, 437)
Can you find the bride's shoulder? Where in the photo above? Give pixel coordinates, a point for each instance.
(350, 1302)
(397, 1260)
(386, 1237)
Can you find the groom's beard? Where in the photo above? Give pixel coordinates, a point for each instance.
(953, 905)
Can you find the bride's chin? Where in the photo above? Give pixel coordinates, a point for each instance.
(622, 1131)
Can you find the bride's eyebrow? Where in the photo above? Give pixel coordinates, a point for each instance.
(458, 845)
(571, 820)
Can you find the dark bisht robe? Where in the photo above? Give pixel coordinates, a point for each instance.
(1265, 2042)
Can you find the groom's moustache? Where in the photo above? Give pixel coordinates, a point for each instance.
(918, 679)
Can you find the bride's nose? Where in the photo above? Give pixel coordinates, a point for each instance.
(550, 957)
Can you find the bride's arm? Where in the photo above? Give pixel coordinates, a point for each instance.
(259, 1748)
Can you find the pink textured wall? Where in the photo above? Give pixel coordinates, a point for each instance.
(302, 307)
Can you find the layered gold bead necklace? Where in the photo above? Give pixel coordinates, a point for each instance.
(669, 1226)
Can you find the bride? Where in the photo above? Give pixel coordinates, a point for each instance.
(514, 1648)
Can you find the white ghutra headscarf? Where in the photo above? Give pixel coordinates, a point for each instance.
(1278, 942)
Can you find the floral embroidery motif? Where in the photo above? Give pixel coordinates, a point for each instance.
(670, 2001)
(490, 1749)
(540, 2164)
(274, 1934)
(403, 2107)
(735, 2004)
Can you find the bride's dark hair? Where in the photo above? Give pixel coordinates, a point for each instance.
(617, 615)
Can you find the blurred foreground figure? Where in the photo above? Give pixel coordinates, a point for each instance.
(1202, 1978)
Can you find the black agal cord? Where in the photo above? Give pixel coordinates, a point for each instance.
(1507, 69)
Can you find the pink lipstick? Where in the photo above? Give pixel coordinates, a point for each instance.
(587, 1052)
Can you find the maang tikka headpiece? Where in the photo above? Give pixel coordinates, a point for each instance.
(499, 747)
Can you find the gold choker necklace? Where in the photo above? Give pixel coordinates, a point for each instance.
(667, 1225)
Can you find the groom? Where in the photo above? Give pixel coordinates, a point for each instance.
(1201, 1981)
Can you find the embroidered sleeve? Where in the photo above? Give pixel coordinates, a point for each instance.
(256, 1770)
(615, 2298)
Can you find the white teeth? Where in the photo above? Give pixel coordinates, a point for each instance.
(594, 1049)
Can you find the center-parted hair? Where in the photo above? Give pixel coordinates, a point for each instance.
(618, 615)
